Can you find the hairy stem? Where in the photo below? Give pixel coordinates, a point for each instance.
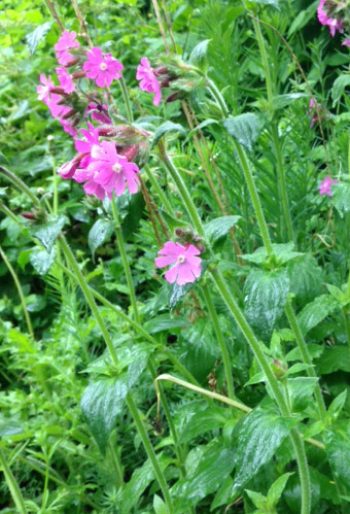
(12, 485)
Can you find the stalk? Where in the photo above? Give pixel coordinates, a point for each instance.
(20, 292)
(126, 99)
(221, 341)
(306, 358)
(12, 485)
(129, 399)
(19, 184)
(245, 328)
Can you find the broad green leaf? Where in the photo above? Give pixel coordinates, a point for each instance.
(302, 18)
(265, 294)
(258, 499)
(283, 101)
(338, 403)
(99, 233)
(166, 128)
(256, 439)
(305, 278)
(159, 505)
(341, 197)
(245, 128)
(9, 427)
(339, 87)
(214, 465)
(42, 260)
(219, 227)
(199, 53)
(48, 232)
(35, 37)
(283, 254)
(338, 452)
(197, 418)
(300, 390)
(273, 3)
(164, 322)
(103, 399)
(316, 311)
(334, 358)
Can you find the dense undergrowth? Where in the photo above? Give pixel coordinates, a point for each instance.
(219, 384)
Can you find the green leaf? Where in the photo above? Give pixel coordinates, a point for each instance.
(334, 358)
(245, 128)
(199, 53)
(255, 440)
(197, 418)
(341, 197)
(316, 311)
(277, 488)
(35, 37)
(258, 499)
(9, 427)
(274, 3)
(103, 399)
(338, 452)
(166, 128)
(42, 260)
(302, 18)
(164, 322)
(283, 101)
(213, 466)
(99, 233)
(283, 253)
(265, 294)
(300, 390)
(337, 404)
(48, 232)
(159, 505)
(339, 86)
(305, 278)
(219, 227)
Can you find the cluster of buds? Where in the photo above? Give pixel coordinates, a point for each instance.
(335, 14)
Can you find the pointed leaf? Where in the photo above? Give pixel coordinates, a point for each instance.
(245, 128)
(99, 233)
(219, 227)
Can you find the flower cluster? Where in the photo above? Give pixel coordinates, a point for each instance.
(184, 261)
(334, 15)
(325, 187)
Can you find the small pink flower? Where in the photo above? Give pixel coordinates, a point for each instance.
(98, 112)
(111, 171)
(66, 42)
(325, 187)
(102, 68)
(346, 42)
(91, 187)
(148, 80)
(185, 264)
(44, 89)
(333, 24)
(90, 138)
(66, 80)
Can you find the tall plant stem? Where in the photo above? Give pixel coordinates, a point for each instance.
(249, 335)
(281, 176)
(221, 341)
(12, 485)
(249, 178)
(305, 355)
(20, 292)
(82, 22)
(19, 184)
(130, 401)
(132, 296)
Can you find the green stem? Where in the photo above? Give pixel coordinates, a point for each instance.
(221, 341)
(265, 62)
(150, 452)
(20, 292)
(248, 175)
(305, 355)
(19, 184)
(216, 94)
(241, 320)
(12, 485)
(124, 258)
(155, 183)
(184, 193)
(130, 401)
(126, 99)
(116, 464)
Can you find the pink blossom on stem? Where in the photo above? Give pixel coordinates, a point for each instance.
(102, 68)
(90, 136)
(44, 89)
(333, 24)
(91, 187)
(346, 42)
(99, 112)
(66, 42)
(66, 80)
(184, 261)
(148, 80)
(325, 187)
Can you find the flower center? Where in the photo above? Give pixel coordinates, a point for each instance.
(103, 66)
(117, 168)
(181, 259)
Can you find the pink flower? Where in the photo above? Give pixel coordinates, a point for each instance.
(102, 68)
(185, 264)
(148, 80)
(91, 138)
(66, 80)
(91, 187)
(325, 187)
(110, 171)
(99, 112)
(44, 88)
(346, 42)
(333, 24)
(66, 42)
